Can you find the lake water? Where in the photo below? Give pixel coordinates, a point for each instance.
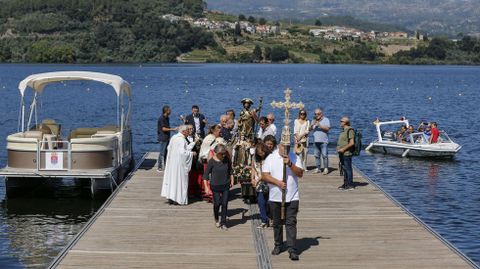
(444, 194)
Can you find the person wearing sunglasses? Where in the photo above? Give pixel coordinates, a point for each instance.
(301, 129)
(320, 127)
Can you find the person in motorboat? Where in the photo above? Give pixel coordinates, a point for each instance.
(400, 133)
(435, 133)
(422, 126)
(428, 131)
(406, 135)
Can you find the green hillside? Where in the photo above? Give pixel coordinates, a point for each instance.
(98, 31)
(122, 31)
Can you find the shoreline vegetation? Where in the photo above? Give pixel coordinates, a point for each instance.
(168, 31)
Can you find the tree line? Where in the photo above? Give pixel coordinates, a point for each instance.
(442, 50)
(98, 31)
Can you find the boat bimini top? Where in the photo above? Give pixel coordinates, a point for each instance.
(37, 83)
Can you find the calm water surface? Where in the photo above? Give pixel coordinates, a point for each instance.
(444, 194)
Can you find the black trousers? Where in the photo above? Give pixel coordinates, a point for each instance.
(220, 198)
(291, 211)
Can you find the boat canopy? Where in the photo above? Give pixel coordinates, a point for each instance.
(38, 82)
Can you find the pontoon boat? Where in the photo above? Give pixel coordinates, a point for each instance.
(100, 156)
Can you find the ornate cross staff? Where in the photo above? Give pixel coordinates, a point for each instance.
(285, 140)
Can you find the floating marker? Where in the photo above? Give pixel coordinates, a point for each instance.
(429, 98)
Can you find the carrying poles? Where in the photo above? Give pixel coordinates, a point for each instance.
(286, 137)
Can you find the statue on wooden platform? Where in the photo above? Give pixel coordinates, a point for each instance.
(242, 156)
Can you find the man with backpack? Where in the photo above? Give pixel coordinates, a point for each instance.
(345, 148)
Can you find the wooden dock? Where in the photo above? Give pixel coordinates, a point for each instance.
(362, 228)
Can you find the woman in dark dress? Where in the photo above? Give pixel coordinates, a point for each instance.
(219, 173)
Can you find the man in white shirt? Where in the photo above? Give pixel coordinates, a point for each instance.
(271, 119)
(265, 128)
(272, 173)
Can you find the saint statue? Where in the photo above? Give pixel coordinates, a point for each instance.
(246, 123)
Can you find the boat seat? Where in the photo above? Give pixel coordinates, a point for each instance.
(89, 132)
(53, 125)
(42, 128)
(33, 134)
(111, 128)
(82, 133)
(105, 132)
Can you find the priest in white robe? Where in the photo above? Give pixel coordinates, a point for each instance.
(178, 164)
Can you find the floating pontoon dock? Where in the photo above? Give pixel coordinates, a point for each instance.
(364, 228)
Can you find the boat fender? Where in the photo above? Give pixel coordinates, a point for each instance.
(405, 153)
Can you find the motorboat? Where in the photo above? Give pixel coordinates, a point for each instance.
(416, 145)
(100, 156)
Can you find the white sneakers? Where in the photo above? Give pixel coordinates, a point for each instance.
(317, 171)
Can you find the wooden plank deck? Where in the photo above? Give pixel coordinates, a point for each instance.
(336, 229)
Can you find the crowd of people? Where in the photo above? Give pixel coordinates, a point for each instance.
(429, 129)
(199, 164)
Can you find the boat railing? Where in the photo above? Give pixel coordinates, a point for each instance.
(56, 155)
(46, 153)
(418, 138)
(444, 138)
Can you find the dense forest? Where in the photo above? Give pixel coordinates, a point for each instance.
(98, 31)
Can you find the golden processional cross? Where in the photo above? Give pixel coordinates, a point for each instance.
(285, 141)
(287, 105)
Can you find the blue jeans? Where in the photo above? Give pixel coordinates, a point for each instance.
(321, 151)
(162, 155)
(262, 201)
(346, 162)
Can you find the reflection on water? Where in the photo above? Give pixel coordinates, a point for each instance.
(35, 228)
(433, 178)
